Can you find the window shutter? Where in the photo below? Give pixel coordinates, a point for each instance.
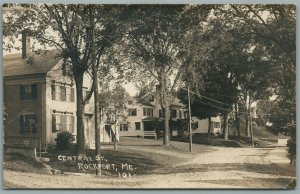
(72, 124)
(22, 92)
(21, 124)
(72, 94)
(53, 123)
(34, 91)
(53, 91)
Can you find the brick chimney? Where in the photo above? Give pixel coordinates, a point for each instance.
(25, 45)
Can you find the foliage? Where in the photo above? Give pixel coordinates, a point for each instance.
(113, 101)
(227, 54)
(146, 90)
(245, 58)
(292, 150)
(158, 43)
(66, 27)
(64, 140)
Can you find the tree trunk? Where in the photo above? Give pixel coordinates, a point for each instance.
(79, 114)
(250, 124)
(165, 106)
(226, 126)
(166, 111)
(248, 117)
(209, 127)
(96, 92)
(247, 127)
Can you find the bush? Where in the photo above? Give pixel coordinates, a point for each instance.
(64, 140)
(292, 151)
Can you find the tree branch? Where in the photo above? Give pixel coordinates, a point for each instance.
(259, 17)
(89, 94)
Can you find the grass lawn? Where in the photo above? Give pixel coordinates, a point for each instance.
(20, 163)
(263, 137)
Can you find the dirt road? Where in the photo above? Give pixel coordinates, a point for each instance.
(214, 167)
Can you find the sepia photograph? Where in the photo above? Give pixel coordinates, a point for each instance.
(149, 96)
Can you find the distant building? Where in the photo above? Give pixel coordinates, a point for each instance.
(40, 100)
(201, 125)
(140, 117)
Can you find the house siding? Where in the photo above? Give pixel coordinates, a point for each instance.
(17, 107)
(203, 125)
(44, 107)
(55, 76)
(131, 121)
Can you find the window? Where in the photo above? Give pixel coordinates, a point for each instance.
(174, 113)
(195, 125)
(217, 125)
(28, 124)
(62, 122)
(64, 68)
(123, 127)
(56, 92)
(62, 93)
(70, 94)
(180, 114)
(148, 112)
(137, 126)
(186, 115)
(87, 126)
(160, 113)
(132, 112)
(69, 123)
(28, 92)
(67, 68)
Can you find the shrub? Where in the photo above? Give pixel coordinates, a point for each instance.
(292, 151)
(64, 140)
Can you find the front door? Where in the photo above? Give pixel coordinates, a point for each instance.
(147, 126)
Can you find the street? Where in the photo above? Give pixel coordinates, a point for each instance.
(213, 167)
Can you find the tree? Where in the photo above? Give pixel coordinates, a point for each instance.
(219, 83)
(274, 28)
(70, 24)
(156, 44)
(253, 48)
(146, 90)
(113, 103)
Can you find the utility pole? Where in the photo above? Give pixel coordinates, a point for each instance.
(95, 82)
(251, 131)
(190, 121)
(115, 139)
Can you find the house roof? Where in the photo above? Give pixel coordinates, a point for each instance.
(14, 65)
(177, 102)
(152, 119)
(142, 102)
(147, 104)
